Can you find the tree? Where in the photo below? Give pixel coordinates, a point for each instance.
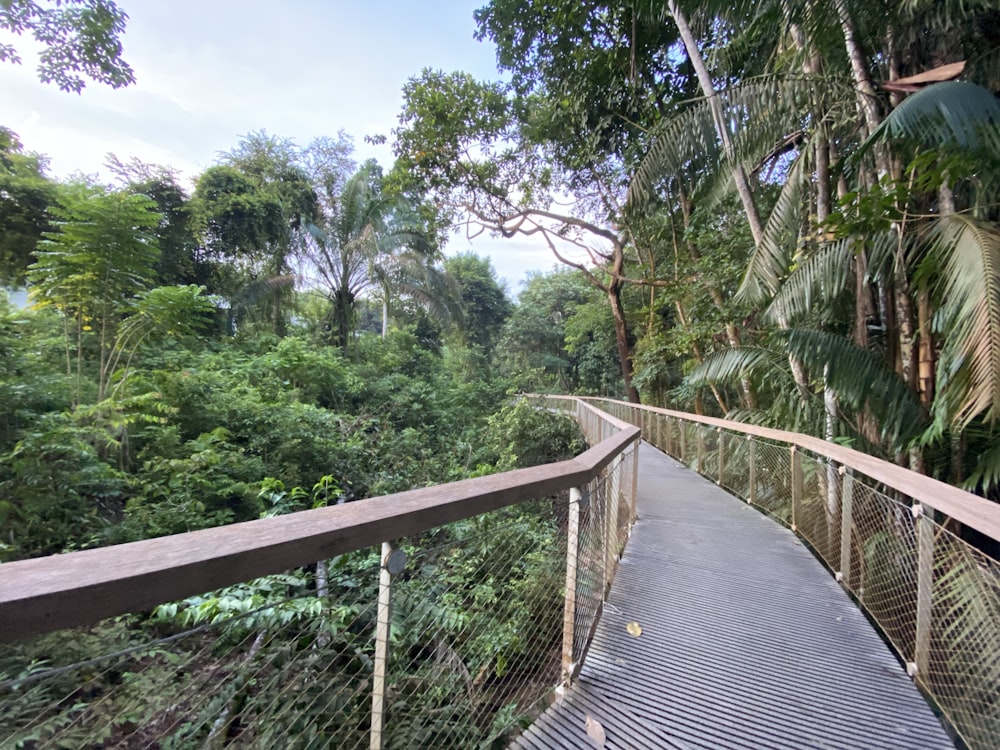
(182, 258)
(99, 257)
(374, 240)
(80, 40)
(253, 209)
(485, 306)
(462, 143)
(26, 194)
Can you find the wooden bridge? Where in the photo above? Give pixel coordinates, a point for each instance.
(759, 589)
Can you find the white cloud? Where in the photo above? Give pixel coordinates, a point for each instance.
(210, 71)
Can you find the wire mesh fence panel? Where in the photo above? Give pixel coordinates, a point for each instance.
(963, 668)
(884, 564)
(477, 618)
(819, 511)
(738, 474)
(708, 452)
(281, 661)
(591, 568)
(773, 480)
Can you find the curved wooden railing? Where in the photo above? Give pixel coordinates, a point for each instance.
(80, 588)
(888, 535)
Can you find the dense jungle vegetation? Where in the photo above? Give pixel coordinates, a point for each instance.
(790, 214)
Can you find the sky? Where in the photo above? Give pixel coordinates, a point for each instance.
(209, 72)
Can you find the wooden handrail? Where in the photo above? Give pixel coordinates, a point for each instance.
(80, 588)
(971, 510)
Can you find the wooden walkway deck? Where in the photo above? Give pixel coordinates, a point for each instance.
(747, 641)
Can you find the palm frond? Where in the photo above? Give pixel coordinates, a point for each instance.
(252, 293)
(758, 114)
(816, 284)
(684, 140)
(861, 381)
(954, 114)
(787, 407)
(730, 366)
(968, 253)
(771, 260)
(985, 474)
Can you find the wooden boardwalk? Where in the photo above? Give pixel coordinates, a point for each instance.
(747, 641)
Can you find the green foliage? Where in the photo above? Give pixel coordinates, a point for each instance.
(58, 493)
(560, 338)
(485, 306)
(524, 436)
(80, 39)
(25, 197)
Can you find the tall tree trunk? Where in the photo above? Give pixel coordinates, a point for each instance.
(698, 357)
(614, 292)
(708, 89)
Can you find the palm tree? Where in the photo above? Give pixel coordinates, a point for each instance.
(373, 241)
(901, 222)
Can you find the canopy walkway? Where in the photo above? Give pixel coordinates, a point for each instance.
(796, 594)
(745, 641)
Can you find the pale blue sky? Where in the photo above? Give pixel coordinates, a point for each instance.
(208, 72)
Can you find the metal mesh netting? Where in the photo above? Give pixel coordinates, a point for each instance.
(963, 665)
(477, 617)
(604, 522)
(275, 662)
(477, 622)
(946, 627)
(817, 517)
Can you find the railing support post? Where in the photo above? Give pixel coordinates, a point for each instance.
(797, 487)
(613, 500)
(383, 622)
(752, 449)
(669, 442)
(683, 451)
(700, 448)
(925, 594)
(722, 456)
(635, 480)
(569, 610)
(846, 522)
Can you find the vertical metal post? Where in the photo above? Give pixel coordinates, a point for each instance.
(635, 480)
(700, 447)
(752, 448)
(797, 487)
(722, 456)
(668, 427)
(569, 610)
(925, 594)
(618, 483)
(846, 522)
(382, 626)
(683, 451)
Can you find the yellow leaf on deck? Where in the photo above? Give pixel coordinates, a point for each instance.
(634, 628)
(595, 731)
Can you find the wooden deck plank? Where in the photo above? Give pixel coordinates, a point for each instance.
(747, 641)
